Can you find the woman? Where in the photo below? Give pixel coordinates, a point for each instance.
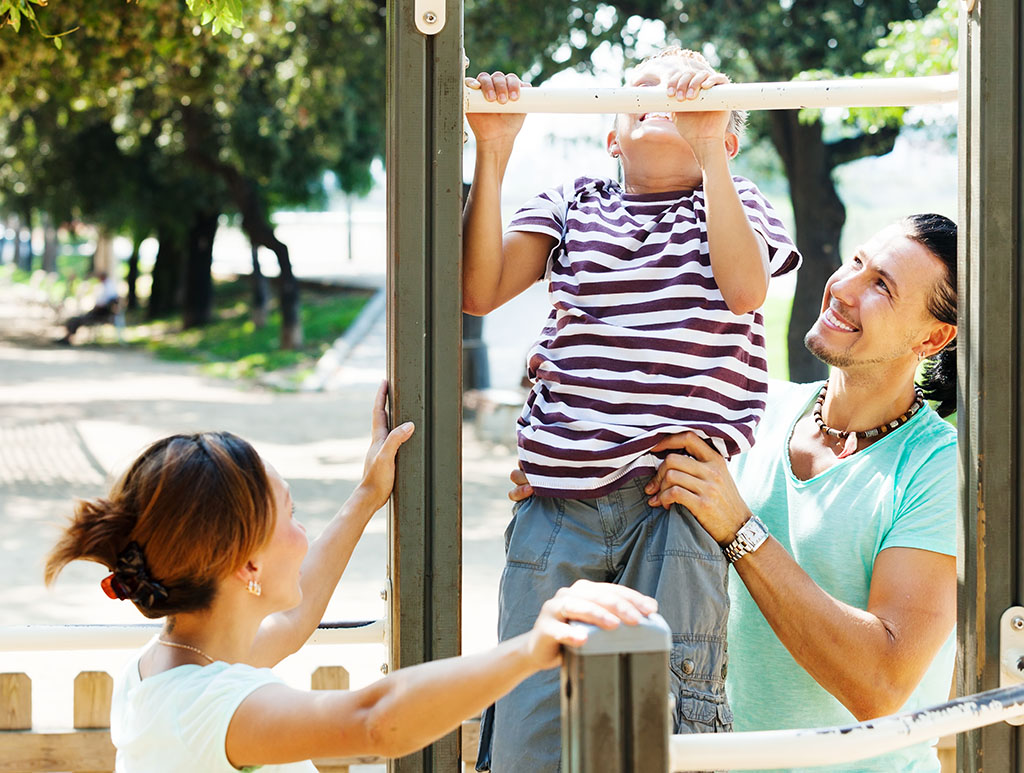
(200, 531)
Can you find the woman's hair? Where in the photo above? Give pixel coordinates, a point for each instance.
(937, 234)
(188, 512)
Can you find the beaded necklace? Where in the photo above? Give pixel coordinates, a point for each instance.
(850, 446)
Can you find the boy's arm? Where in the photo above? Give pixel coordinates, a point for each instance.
(739, 256)
(495, 268)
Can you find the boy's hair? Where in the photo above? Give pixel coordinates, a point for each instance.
(737, 118)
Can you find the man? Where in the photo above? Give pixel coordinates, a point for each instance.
(848, 592)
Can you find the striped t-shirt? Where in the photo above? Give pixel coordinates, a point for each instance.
(640, 343)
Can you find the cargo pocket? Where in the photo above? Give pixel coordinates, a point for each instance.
(699, 689)
(531, 534)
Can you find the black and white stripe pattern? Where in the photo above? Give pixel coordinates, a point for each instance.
(640, 343)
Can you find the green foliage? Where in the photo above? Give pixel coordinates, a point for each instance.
(221, 15)
(142, 117)
(925, 46)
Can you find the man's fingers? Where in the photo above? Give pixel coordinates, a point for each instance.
(690, 442)
(676, 495)
(517, 476)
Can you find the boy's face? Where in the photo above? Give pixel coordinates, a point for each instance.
(646, 139)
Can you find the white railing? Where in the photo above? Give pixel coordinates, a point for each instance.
(851, 92)
(35, 638)
(844, 744)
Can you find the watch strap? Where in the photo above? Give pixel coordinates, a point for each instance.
(749, 538)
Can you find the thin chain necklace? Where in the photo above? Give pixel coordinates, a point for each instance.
(850, 446)
(185, 647)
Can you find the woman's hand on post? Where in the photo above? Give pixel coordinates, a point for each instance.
(379, 468)
(601, 604)
(700, 481)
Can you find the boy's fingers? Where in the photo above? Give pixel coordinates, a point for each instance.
(500, 82)
(473, 83)
(486, 85)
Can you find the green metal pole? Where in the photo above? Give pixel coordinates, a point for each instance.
(991, 353)
(424, 171)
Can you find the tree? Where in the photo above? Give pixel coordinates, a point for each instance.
(263, 113)
(753, 40)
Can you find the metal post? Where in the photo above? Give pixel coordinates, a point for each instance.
(991, 349)
(615, 700)
(424, 167)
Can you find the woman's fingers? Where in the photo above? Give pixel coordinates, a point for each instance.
(379, 417)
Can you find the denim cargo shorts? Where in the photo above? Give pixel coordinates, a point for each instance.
(620, 538)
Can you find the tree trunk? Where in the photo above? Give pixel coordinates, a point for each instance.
(348, 224)
(819, 214)
(261, 233)
(26, 256)
(49, 244)
(259, 291)
(165, 297)
(103, 260)
(133, 273)
(197, 307)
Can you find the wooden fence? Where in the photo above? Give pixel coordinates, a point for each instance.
(86, 748)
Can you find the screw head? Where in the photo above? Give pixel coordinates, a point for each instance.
(430, 17)
(384, 594)
(383, 668)
(1020, 664)
(1017, 623)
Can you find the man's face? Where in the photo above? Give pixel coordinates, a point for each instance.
(874, 309)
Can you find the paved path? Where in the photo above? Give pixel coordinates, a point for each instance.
(73, 417)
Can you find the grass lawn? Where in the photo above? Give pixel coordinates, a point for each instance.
(232, 347)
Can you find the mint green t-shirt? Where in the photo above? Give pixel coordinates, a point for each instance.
(900, 491)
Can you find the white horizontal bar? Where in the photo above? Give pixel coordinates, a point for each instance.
(859, 92)
(841, 745)
(34, 638)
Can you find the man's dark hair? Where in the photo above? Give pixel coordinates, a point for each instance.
(937, 234)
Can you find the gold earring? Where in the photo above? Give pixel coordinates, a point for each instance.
(255, 588)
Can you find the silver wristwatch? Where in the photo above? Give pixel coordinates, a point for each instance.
(749, 538)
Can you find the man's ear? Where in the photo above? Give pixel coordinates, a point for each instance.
(941, 335)
(612, 142)
(732, 144)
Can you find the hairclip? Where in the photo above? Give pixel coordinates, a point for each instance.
(130, 579)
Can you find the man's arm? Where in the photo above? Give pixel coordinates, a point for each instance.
(869, 659)
(495, 269)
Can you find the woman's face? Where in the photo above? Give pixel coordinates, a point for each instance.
(875, 307)
(281, 558)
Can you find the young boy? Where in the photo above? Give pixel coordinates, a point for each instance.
(655, 329)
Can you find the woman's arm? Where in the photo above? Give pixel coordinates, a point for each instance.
(417, 705)
(283, 633)
(869, 659)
